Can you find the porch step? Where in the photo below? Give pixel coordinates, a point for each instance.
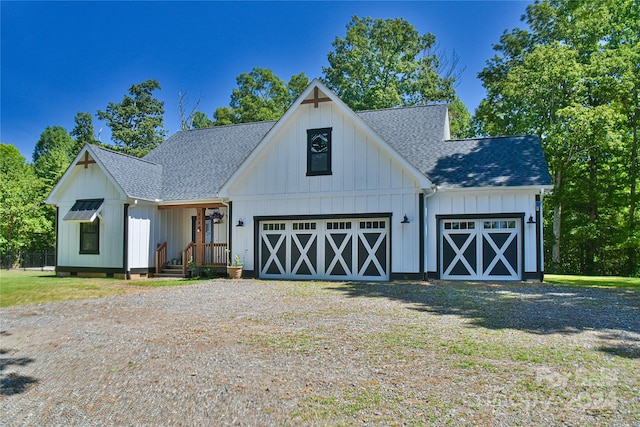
(172, 271)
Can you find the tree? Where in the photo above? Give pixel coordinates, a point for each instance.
(186, 119)
(572, 80)
(23, 223)
(83, 131)
(260, 96)
(52, 155)
(460, 120)
(388, 63)
(200, 121)
(136, 122)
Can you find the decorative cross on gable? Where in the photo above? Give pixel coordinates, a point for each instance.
(316, 98)
(86, 161)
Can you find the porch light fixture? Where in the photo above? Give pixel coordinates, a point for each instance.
(531, 220)
(405, 220)
(240, 223)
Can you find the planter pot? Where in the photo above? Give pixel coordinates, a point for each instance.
(234, 272)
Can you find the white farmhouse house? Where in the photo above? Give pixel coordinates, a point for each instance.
(322, 193)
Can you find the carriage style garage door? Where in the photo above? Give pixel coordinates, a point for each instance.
(343, 249)
(481, 249)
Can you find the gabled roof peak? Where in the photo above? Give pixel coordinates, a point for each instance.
(230, 125)
(403, 107)
(119, 153)
(492, 137)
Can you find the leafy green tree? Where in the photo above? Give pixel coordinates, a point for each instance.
(260, 96)
(460, 120)
(388, 63)
(24, 225)
(572, 79)
(137, 121)
(200, 121)
(83, 131)
(52, 155)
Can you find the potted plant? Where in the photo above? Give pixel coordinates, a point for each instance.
(234, 270)
(192, 269)
(217, 216)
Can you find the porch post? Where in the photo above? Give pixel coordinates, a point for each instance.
(200, 235)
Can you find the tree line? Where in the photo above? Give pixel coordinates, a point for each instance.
(572, 79)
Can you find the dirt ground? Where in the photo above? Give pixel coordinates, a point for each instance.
(286, 353)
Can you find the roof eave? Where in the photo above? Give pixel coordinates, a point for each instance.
(163, 202)
(459, 189)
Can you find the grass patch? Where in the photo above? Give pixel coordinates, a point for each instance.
(297, 342)
(479, 347)
(18, 287)
(593, 281)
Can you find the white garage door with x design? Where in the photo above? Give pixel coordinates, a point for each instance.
(481, 249)
(343, 249)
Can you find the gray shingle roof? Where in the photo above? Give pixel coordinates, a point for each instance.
(412, 131)
(198, 162)
(138, 178)
(490, 162)
(417, 134)
(194, 164)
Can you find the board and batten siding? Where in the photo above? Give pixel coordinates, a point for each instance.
(474, 201)
(173, 227)
(90, 183)
(366, 178)
(142, 244)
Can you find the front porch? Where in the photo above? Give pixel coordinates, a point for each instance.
(195, 237)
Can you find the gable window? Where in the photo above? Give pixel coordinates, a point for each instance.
(90, 237)
(319, 151)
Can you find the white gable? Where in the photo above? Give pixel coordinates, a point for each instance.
(85, 179)
(360, 159)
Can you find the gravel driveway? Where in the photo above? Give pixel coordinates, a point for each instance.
(286, 353)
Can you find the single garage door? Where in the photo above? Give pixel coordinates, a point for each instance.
(327, 249)
(481, 249)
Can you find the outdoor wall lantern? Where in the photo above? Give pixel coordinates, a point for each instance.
(531, 220)
(405, 220)
(240, 223)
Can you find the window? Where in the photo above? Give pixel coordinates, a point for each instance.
(304, 225)
(90, 237)
(459, 225)
(499, 224)
(319, 151)
(371, 224)
(273, 227)
(342, 225)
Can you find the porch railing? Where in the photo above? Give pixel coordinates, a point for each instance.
(215, 254)
(161, 256)
(188, 255)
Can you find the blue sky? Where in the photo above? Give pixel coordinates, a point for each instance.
(58, 58)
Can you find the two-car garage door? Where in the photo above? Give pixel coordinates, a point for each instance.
(329, 249)
(481, 249)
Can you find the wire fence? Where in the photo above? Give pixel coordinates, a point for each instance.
(28, 259)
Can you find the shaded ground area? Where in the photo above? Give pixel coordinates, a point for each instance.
(538, 309)
(287, 353)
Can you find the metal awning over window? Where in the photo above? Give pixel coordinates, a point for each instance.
(84, 210)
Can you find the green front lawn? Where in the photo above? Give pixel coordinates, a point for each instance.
(18, 287)
(593, 281)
